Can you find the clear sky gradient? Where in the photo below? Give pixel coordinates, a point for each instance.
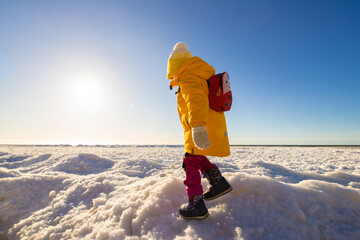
(94, 72)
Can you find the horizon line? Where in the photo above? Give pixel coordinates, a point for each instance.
(178, 145)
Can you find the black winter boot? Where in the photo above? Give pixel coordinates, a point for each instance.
(194, 209)
(219, 185)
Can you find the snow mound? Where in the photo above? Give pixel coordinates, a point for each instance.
(3, 153)
(20, 197)
(135, 208)
(134, 193)
(12, 159)
(5, 173)
(141, 167)
(257, 208)
(279, 172)
(85, 164)
(24, 162)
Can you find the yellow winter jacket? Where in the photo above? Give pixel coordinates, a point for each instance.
(193, 107)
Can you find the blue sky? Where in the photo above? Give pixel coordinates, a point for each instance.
(94, 72)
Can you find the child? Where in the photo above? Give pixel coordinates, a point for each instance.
(204, 130)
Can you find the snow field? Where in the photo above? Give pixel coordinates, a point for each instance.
(134, 193)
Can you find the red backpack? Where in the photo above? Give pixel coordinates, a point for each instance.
(220, 96)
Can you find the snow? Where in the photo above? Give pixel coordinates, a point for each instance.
(133, 192)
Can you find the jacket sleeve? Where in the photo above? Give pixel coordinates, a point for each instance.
(196, 99)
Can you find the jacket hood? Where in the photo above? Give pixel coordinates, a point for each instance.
(194, 65)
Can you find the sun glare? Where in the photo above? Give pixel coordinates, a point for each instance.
(85, 92)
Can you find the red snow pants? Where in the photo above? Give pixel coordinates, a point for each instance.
(192, 164)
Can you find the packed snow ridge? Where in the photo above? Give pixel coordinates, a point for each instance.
(131, 192)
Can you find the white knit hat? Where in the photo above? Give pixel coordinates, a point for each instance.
(180, 50)
(177, 57)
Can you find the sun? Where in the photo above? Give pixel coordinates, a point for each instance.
(85, 92)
